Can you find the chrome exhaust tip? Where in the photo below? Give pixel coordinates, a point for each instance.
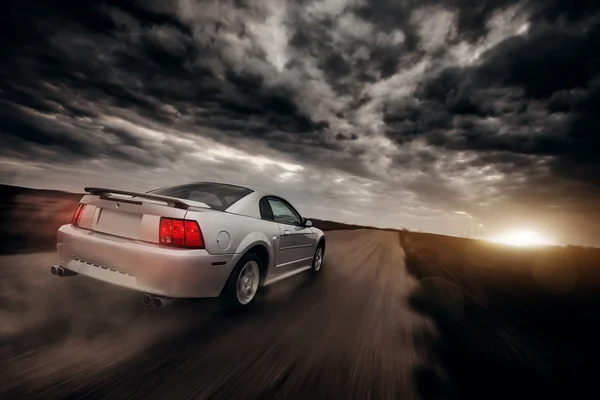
(54, 270)
(146, 299)
(63, 272)
(160, 302)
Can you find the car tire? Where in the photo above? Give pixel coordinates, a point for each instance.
(318, 258)
(242, 287)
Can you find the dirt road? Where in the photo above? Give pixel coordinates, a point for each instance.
(350, 334)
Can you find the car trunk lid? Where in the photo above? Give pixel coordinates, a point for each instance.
(131, 215)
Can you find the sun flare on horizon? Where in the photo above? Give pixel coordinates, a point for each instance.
(522, 238)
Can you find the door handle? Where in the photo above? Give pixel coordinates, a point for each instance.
(286, 232)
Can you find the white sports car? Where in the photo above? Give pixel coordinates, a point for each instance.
(196, 240)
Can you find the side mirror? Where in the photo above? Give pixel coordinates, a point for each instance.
(308, 223)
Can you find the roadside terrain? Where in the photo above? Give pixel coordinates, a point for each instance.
(512, 322)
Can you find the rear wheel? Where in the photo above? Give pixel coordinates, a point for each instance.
(317, 263)
(244, 282)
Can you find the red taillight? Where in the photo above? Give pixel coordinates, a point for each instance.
(177, 233)
(180, 233)
(77, 215)
(193, 235)
(165, 231)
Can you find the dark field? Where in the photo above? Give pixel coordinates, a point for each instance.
(512, 322)
(395, 315)
(29, 218)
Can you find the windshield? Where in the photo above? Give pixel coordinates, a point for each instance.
(218, 196)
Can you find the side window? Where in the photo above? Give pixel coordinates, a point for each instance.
(284, 214)
(265, 209)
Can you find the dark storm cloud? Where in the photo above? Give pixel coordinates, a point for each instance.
(528, 107)
(544, 62)
(472, 15)
(32, 134)
(573, 11)
(349, 50)
(343, 136)
(120, 54)
(559, 68)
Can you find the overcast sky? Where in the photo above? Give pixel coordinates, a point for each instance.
(427, 114)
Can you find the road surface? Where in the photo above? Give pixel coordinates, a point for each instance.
(350, 334)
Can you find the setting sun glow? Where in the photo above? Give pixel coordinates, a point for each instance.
(522, 237)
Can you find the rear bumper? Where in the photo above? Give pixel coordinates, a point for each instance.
(144, 267)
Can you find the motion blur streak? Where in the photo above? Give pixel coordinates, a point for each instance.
(350, 334)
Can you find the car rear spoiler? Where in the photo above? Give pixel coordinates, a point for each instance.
(106, 194)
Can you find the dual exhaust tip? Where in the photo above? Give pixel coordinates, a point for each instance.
(61, 272)
(147, 299)
(156, 301)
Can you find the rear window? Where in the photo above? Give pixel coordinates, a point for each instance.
(217, 195)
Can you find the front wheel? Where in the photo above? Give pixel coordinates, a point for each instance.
(318, 259)
(243, 283)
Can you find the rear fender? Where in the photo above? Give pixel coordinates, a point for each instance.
(251, 240)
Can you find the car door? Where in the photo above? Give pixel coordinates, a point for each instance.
(296, 243)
